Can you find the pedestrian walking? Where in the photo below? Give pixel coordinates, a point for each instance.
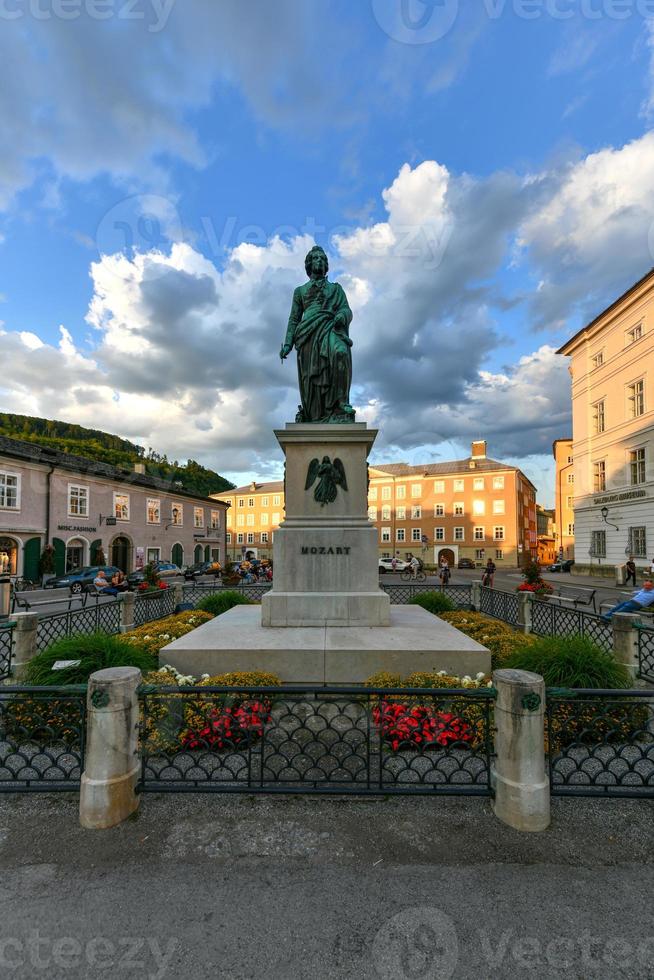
(631, 571)
(444, 572)
(393, 564)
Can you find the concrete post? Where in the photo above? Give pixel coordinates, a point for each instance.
(107, 795)
(178, 590)
(625, 639)
(522, 791)
(127, 603)
(5, 597)
(525, 600)
(475, 596)
(24, 641)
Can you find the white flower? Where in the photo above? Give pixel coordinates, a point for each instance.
(480, 676)
(204, 677)
(442, 673)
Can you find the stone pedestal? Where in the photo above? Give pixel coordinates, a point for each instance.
(326, 557)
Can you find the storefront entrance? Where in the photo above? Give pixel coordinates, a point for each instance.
(448, 555)
(120, 550)
(8, 556)
(74, 555)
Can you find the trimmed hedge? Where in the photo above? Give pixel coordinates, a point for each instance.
(433, 602)
(219, 602)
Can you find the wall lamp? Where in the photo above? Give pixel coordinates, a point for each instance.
(605, 513)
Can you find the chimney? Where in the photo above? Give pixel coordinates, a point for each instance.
(479, 449)
(139, 468)
(253, 486)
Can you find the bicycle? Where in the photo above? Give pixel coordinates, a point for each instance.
(24, 585)
(406, 576)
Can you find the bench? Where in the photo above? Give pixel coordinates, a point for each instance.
(576, 597)
(32, 597)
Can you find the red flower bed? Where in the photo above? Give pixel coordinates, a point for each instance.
(415, 726)
(229, 726)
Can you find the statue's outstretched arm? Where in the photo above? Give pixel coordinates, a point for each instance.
(293, 320)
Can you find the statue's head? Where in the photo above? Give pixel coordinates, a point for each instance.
(316, 262)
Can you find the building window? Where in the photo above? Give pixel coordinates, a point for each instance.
(78, 501)
(239, 538)
(499, 553)
(228, 519)
(458, 486)
(401, 513)
(570, 459)
(386, 513)
(416, 534)
(400, 492)
(372, 493)
(250, 537)
(153, 511)
(598, 359)
(264, 537)
(177, 516)
(228, 537)
(571, 478)
(250, 520)
(386, 493)
(152, 555)
(599, 475)
(478, 483)
(416, 491)
(215, 519)
(439, 510)
(458, 510)
(264, 501)
(569, 501)
(240, 520)
(498, 483)
(598, 417)
(638, 542)
(416, 512)
(498, 532)
(598, 544)
(636, 399)
(198, 517)
(372, 513)
(400, 535)
(478, 508)
(121, 506)
(264, 519)
(498, 506)
(459, 534)
(275, 518)
(637, 466)
(439, 534)
(479, 554)
(571, 530)
(439, 486)
(277, 499)
(480, 533)
(241, 501)
(634, 334)
(250, 501)
(386, 534)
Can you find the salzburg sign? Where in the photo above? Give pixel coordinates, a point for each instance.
(615, 497)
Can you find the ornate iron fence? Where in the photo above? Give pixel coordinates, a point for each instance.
(99, 617)
(500, 605)
(42, 732)
(316, 740)
(6, 648)
(600, 743)
(548, 619)
(153, 605)
(402, 594)
(646, 654)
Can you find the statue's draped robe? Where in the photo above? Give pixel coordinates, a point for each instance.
(324, 358)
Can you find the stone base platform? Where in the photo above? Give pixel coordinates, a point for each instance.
(415, 640)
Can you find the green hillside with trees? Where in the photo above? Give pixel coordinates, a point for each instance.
(106, 448)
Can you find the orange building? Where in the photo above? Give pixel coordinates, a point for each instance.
(564, 496)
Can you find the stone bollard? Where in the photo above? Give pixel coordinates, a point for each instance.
(178, 593)
(127, 604)
(522, 790)
(107, 794)
(475, 596)
(525, 600)
(625, 639)
(24, 642)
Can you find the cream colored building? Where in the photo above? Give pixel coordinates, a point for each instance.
(564, 492)
(612, 368)
(475, 508)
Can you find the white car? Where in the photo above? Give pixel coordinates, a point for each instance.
(386, 565)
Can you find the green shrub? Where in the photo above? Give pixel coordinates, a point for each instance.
(500, 639)
(572, 661)
(219, 602)
(95, 652)
(433, 602)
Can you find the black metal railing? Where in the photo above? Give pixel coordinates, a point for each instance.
(548, 619)
(6, 648)
(646, 654)
(153, 605)
(600, 743)
(316, 740)
(42, 736)
(100, 616)
(500, 605)
(401, 594)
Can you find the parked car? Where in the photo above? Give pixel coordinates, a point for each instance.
(164, 569)
(561, 566)
(203, 568)
(81, 580)
(386, 565)
(466, 563)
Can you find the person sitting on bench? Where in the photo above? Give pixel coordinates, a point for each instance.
(102, 586)
(640, 600)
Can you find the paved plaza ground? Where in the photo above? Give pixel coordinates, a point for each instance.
(285, 888)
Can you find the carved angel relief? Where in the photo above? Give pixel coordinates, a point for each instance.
(330, 477)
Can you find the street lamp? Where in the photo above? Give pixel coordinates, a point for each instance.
(605, 513)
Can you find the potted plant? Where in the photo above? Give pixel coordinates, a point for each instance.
(534, 582)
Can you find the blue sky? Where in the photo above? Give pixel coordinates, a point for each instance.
(479, 172)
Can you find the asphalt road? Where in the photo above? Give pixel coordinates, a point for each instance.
(284, 888)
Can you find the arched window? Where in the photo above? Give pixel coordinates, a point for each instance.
(75, 554)
(8, 556)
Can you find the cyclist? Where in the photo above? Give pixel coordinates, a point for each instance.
(415, 566)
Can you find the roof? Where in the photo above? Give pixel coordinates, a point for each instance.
(33, 452)
(433, 469)
(609, 309)
(277, 486)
